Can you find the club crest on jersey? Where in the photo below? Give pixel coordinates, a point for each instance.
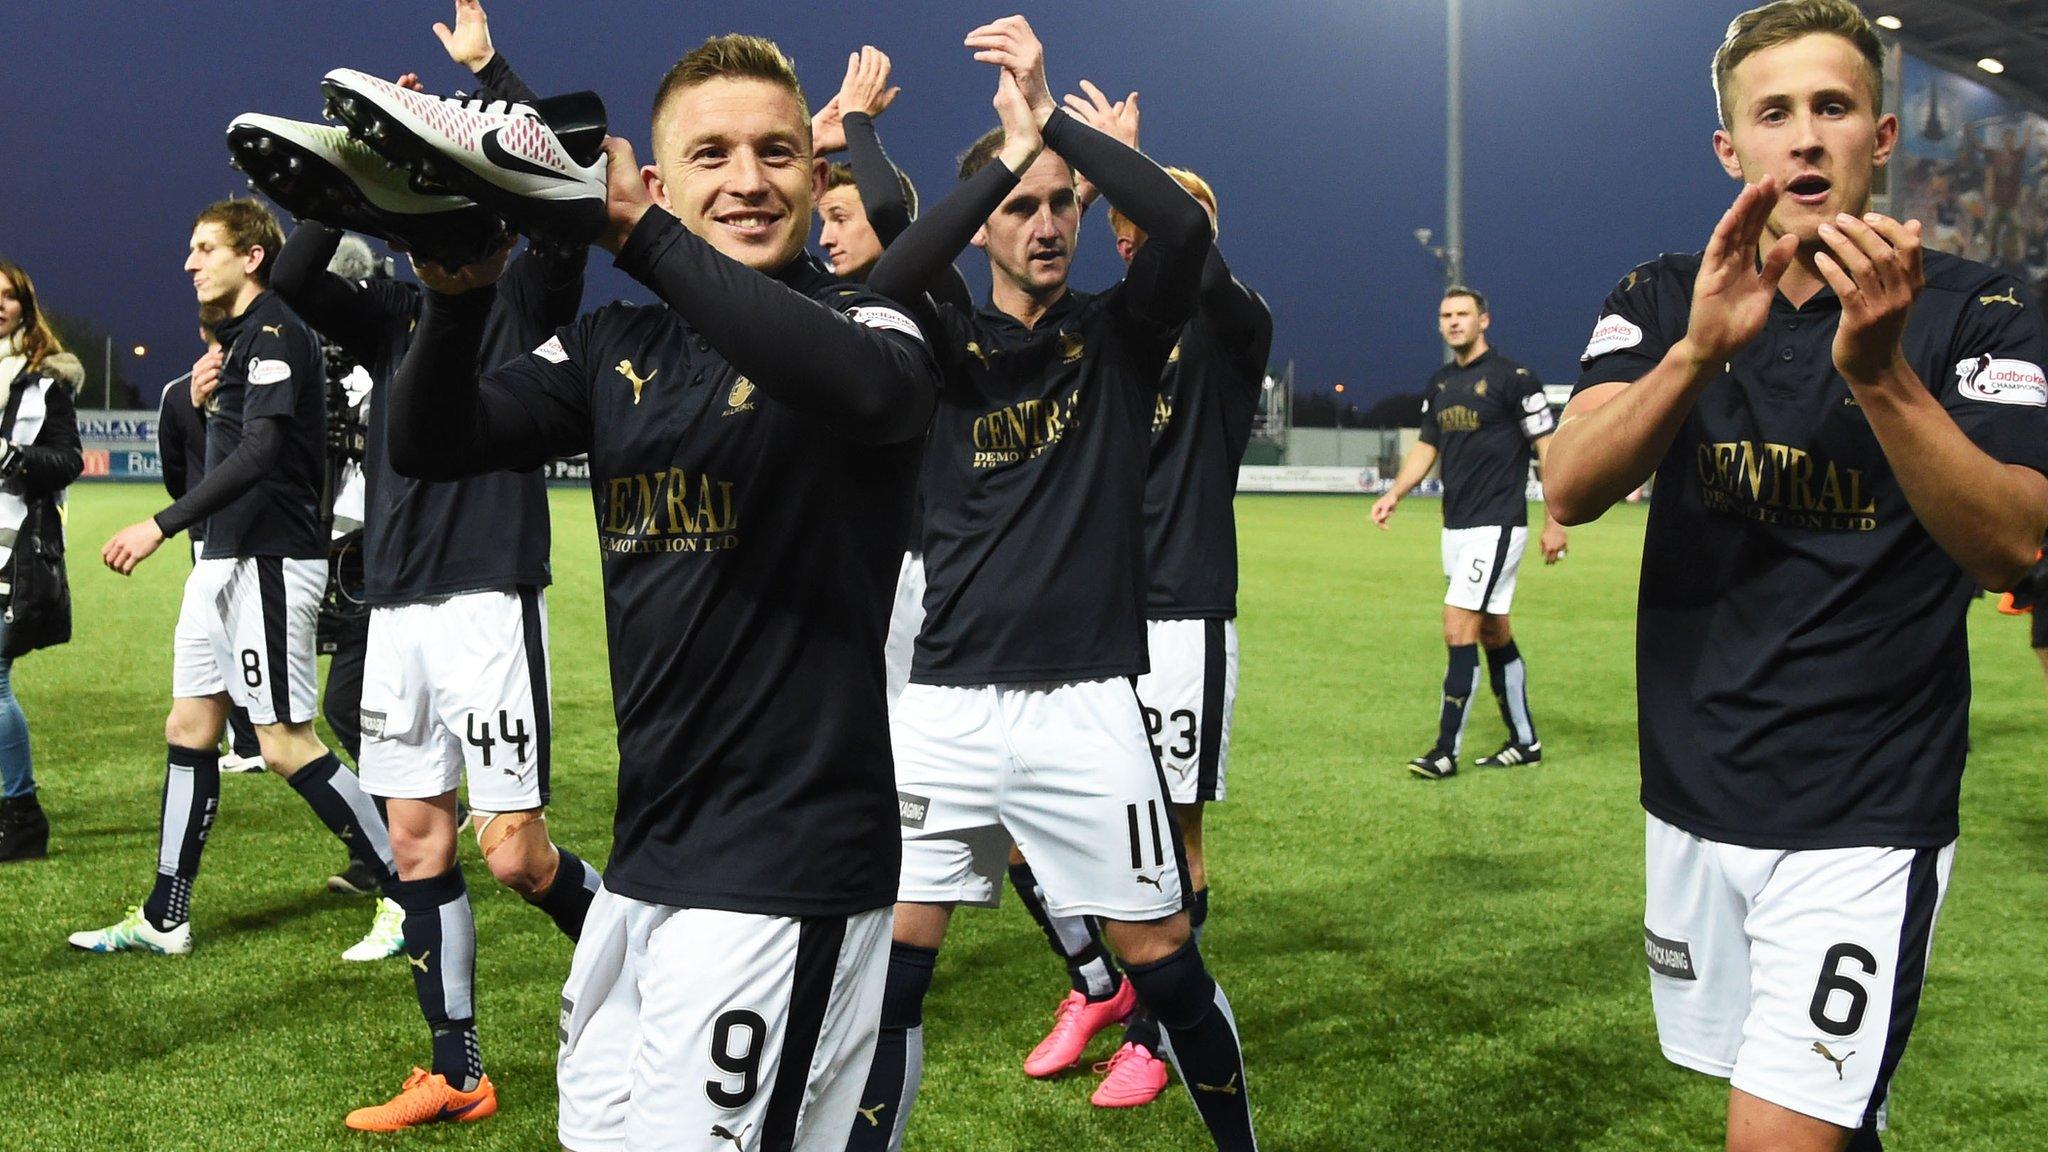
(740, 399)
(1173, 357)
(1612, 334)
(625, 369)
(2002, 381)
(269, 371)
(1479, 389)
(1070, 348)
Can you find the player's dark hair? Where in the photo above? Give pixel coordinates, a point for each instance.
(37, 339)
(841, 176)
(980, 152)
(1478, 298)
(1784, 21)
(733, 56)
(248, 224)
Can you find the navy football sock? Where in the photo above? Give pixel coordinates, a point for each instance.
(191, 798)
(567, 900)
(1461, 680)
(1510, 679)
(1090, 971)
(440, 948)
(898, 1067)
(1204, 1045)
(337, 797)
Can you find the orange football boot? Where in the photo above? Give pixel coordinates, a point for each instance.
(427, 1098)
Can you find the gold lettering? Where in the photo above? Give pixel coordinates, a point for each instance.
(615, 511)
(675, 490)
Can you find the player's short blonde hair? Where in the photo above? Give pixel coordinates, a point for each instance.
(247, 224)
(1196, 186)
(733, 56)
(841, 176)
(1784, 21)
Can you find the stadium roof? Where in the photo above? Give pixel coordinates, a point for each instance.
(1956, 34)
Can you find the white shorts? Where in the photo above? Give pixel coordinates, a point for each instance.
(1064, 771)
(1480, 566)
(1188, 697)
(700, 1030)
(246, 628)
(906, 617)
(1793, 974)
(455, 687)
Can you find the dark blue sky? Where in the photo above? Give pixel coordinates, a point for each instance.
(1320, 122)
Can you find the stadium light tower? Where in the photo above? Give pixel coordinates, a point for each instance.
(1450, 255)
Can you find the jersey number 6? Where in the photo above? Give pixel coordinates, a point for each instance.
(1833, 980)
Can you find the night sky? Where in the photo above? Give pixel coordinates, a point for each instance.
(1320, 122)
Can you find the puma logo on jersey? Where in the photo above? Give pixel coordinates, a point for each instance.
(274, 329)
(724, 1133)
(2011, 297)
(635, 379)
(873, 1115)
(1828, 1056)
(1633, 277)
(419, 961)
(1152, 880)
(974, 349)
(1229, 1087)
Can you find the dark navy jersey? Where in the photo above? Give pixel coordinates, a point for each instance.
(749, 554)
(1033, 485)
(1802, 674)
(1484, 419)
(1201, 423)
(274, 369)
(423, 539)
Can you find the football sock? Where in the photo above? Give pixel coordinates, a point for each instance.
(1089, 968)
(568, 897)
(191, 798)
(1510, 678)
(1461, 680)
(440, 948)
(1143, 1027)
(337, 797)
(1204, 1046)
(899, 1053)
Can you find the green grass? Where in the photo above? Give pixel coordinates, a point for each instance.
(1415, 966)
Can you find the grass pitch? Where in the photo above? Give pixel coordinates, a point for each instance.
(1415, 966)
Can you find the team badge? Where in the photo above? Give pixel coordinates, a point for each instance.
(1479, 389)
(740, 399)
(638, 381)
(1070, 348)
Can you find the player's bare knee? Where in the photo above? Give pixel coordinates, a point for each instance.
(195, 722)
(1461, 627)
(1147, 941)
(1495, 631)
(288, 747)
(922, 925)
(517, 850)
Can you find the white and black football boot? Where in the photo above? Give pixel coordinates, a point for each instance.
(1435, 764)
(540, 166)
(317, 172)
(1513, 755)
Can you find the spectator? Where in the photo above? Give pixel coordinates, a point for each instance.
(39, 458)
